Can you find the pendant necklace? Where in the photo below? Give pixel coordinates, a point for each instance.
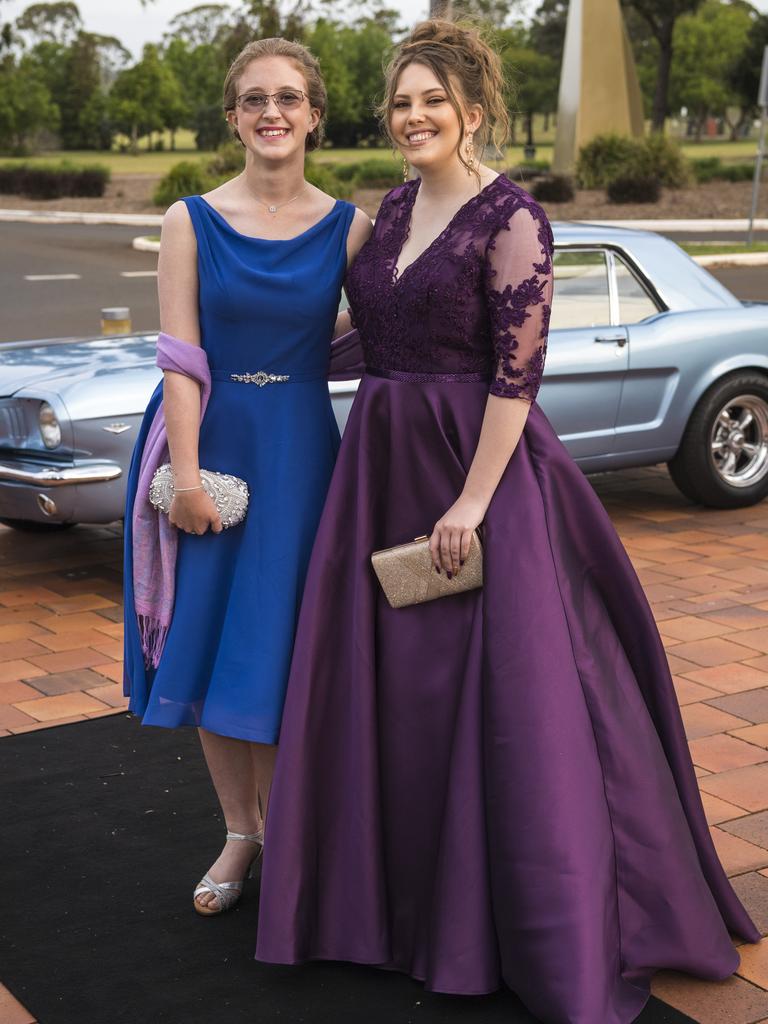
(274, 207)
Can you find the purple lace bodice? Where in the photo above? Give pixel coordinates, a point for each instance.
(476, 301)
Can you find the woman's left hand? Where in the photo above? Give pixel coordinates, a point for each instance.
(449, 543)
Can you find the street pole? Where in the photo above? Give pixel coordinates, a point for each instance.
(762, 102)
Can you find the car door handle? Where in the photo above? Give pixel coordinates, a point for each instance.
(611, 339)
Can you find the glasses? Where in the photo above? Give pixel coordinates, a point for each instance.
(256, 102)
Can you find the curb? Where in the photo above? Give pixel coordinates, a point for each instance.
(735, 259)
(145, 244)
(74, 217)
(696, 226)
(155, 219)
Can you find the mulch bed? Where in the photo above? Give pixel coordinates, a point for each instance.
(132, 193)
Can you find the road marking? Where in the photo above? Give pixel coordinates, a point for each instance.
(138, 273)
(52, 277)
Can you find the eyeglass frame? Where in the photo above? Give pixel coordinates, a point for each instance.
(272, 96)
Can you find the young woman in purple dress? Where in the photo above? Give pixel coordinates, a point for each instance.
(493, 787)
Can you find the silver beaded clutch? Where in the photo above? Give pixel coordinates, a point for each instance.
(229, 493)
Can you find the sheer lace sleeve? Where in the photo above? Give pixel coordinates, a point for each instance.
(518, 288)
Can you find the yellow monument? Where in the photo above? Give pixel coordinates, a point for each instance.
(599, 90)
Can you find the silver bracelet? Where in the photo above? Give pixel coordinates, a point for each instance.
(181, 490)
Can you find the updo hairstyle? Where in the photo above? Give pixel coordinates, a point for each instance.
(466, 67)
(304, 62)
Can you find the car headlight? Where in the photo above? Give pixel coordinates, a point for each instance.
(49, 426)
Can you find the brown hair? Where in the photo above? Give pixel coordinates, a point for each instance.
(304, 62)
(454, 52)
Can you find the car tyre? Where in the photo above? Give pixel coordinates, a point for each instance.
(722, 460)
(30, 526)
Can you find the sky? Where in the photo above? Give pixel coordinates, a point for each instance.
(135, 25)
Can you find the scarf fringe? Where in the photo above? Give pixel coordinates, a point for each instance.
(152, 634)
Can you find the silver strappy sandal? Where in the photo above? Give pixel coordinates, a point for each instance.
(227, 893)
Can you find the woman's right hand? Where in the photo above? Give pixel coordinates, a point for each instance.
(194, 512)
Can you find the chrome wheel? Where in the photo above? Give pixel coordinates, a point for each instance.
(739, 441)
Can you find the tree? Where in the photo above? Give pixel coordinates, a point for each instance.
(25, 104)
(546, 33)
(661, 17)
(199, 70)
(145, 98)
(204, 25)
(744, 75)
(536, 76)
(326, 40)
(708, 46)
(53, 22)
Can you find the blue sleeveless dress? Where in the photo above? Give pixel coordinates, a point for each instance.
(271, 306)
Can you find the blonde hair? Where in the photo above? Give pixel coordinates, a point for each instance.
(304, 62)
(456, 53)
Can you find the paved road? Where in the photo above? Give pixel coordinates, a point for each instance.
(99, 256)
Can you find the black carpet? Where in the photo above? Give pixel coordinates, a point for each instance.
(106, 828)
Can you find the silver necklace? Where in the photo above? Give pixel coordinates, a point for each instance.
(274, 207)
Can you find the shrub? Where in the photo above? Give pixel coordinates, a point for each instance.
(663, 159)
(187, 178)
(228, 160)
(634, 188)
(606, 157)
(738, 172)
(344, 172)
(707, 168)
(53, 181)
(556, 189)
(379, 172)
(531, 169)
(376, 172)
(323, 177)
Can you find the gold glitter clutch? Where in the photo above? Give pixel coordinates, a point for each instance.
(407, 575)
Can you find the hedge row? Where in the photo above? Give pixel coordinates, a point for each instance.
(53, 181)
(712, 168)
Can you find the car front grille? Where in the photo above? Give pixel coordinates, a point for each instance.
(13, 431)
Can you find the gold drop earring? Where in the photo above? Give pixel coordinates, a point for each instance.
(470, 153)
(406, 170)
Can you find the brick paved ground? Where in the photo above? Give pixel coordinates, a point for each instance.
(705, 573)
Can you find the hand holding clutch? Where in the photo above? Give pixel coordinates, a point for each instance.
(407, 575)
(229, 493)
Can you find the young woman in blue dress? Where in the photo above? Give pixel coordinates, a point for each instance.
(251, 272)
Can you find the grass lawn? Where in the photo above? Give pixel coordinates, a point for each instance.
(720, 248)
(151, 162)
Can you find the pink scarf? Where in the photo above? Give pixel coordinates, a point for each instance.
(155, 540)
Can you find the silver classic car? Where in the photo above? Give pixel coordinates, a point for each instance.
(650, 360)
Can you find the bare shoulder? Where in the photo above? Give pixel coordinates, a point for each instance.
(322, 203)
(177, 225)
(361, 226)
(359, 232)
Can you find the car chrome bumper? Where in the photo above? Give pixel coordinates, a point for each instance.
(59, 476)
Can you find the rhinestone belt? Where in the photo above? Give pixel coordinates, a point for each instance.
(260, 378)
(263, 377)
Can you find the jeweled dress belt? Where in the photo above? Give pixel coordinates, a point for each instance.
(263, 377)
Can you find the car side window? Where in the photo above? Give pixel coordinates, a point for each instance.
(581, 296)
(635, 304)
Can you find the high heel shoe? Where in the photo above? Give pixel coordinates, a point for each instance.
(227, 893)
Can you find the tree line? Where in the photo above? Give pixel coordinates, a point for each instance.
(62, 86)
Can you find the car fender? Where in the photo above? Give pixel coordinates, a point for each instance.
(744, 361)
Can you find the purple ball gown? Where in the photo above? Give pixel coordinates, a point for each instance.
(494, 787)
